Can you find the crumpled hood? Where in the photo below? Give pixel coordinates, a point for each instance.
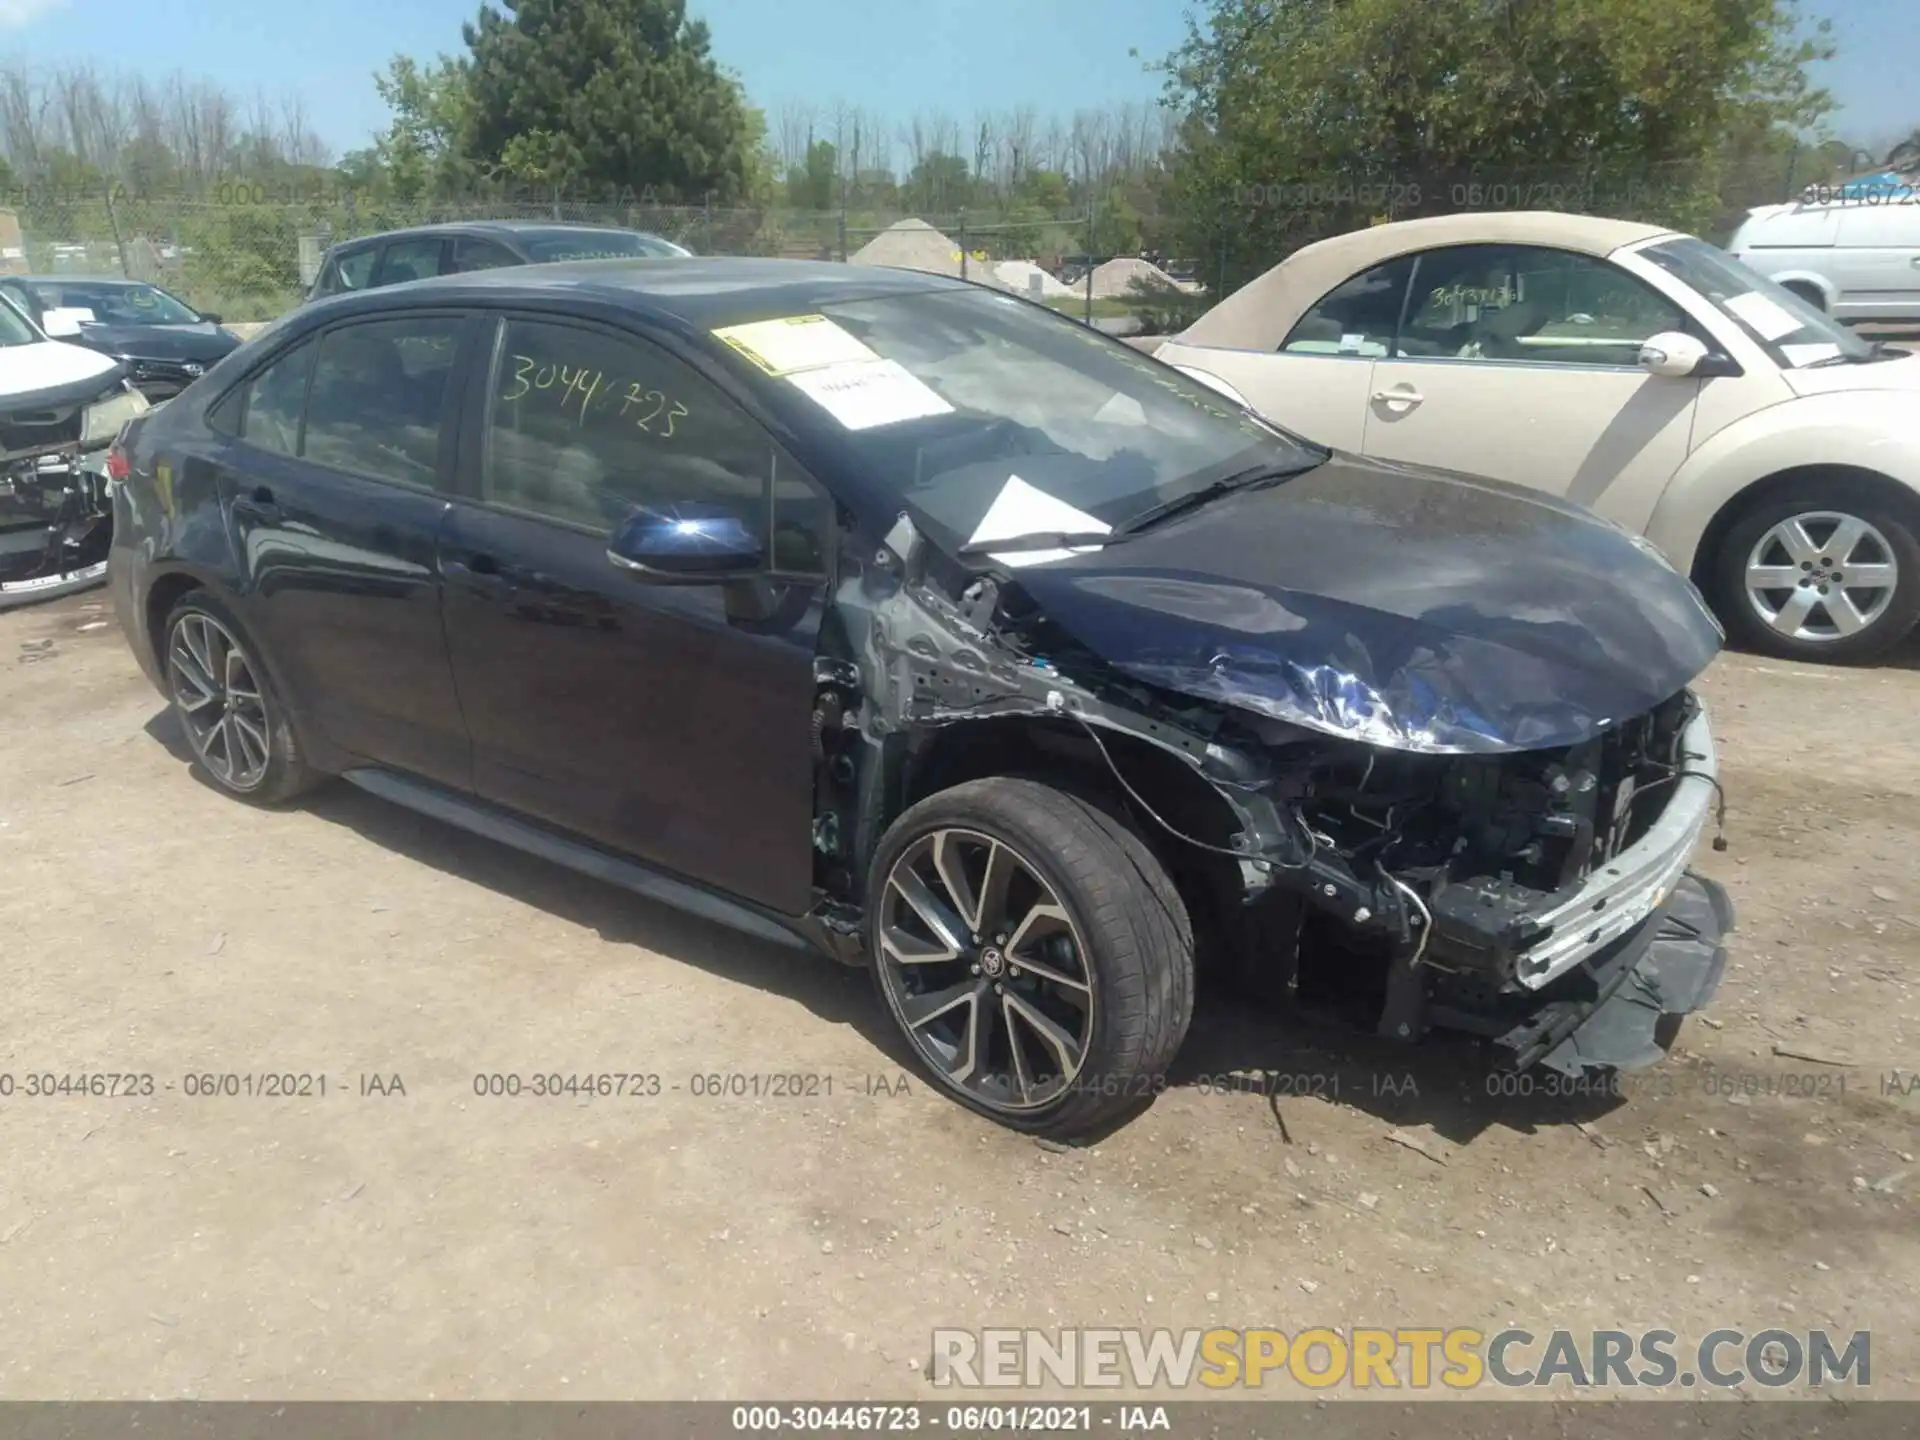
(47, 374)
(1410, 608)
(204, 343)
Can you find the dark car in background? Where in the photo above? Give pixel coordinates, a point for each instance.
(424, 251)
(897, 616)
(164, 342)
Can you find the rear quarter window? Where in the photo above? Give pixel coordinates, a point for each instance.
(350, 271)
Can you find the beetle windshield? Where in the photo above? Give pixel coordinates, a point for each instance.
(1794, 333)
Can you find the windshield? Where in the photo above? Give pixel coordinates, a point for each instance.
(14, 329)
(553, 246)
(1791, 331)
(1007, 408)
(117, 304)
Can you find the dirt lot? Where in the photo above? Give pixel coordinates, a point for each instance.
(435, 1243)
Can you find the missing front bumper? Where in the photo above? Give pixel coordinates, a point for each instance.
(1621, 1009)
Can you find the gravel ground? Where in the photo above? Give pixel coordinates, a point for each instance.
(433, 1243)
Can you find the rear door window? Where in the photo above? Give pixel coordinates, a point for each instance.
(472, 253)
(265, 412)
(1356, 318)
(379, 398)
(405, 260)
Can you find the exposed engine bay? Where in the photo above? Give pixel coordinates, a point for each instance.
(1509, 895)
(56, 512)
(56, 523)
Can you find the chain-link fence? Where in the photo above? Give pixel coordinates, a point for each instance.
(247, 250)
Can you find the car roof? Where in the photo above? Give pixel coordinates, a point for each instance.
(120, 280)
(700, 291)
(484, 227)
(1261, 313)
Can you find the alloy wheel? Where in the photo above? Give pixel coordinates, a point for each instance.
(1821, 576)
(986, 970)
(219, 700)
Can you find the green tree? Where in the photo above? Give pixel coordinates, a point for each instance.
(1632, 105)
(427, 147)
(813, 186)
(939, 183)
(626, 91)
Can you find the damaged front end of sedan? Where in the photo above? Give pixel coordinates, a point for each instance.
(1372, 803)
(56, 515)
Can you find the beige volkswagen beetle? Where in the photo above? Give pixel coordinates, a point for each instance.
(1764, 449)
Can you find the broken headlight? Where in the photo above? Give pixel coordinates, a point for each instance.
(109, 412)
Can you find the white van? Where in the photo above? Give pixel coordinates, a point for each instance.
(1857, 259)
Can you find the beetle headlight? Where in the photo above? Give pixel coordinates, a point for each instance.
(113, 409)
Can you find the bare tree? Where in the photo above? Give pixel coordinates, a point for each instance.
(300, 143)
(23, 132)
(986, 145)
(917, 136)
(1022, 128)
(1054, 145)
(793, 130)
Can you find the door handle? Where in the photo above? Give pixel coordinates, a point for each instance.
(259, 504)
(1399, 397)
(481, 572)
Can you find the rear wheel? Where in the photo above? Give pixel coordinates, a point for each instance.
(241, 735)
(1033, 952)
(1821, 572)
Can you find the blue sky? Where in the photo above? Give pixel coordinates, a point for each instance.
(891, 57)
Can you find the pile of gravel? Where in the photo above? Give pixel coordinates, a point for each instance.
(1018, 275)
(1114, 280)
(916, 245)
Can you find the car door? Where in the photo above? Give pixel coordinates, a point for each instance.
(1317, 383)
(667, 721)
(1521, 363)
(1877, 262)
(332, 481)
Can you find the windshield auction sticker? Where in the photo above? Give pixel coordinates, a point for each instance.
(862, 394)
(797, 342)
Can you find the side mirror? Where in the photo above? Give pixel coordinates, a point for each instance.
(1672, 354)
(209, 317)
(687, 544)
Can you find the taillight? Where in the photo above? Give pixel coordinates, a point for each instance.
(118, 466)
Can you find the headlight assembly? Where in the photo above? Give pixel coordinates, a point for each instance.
(113, 409)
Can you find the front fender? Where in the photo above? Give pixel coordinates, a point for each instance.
(1859, 429)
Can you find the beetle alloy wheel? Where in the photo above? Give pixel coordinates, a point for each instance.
(986, 970)
(1821, 576)
(219, 700)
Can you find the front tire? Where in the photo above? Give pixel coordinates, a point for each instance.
(239, 731)
(1823, 571)
(1809, 293)
(1033, 952)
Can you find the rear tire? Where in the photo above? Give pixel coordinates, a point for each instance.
(1792, 536)
(240, 733)
(1033, 952)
